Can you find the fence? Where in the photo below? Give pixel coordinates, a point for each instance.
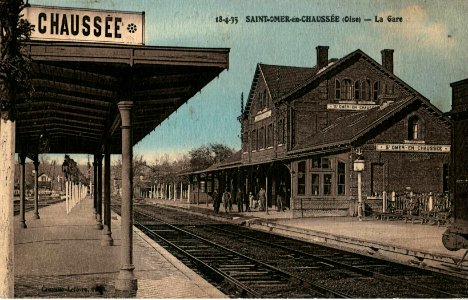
(423, 207)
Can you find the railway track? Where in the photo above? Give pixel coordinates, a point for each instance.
(334, 271)
(235, 273)
(417, 281)
(30, 207)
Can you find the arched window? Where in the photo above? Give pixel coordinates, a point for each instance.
(376, 91)
(337, 89)
(366, 93)
(357, 90)
(347, 90)
(414, 128)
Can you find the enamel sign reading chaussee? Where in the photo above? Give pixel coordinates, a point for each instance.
(80, 25)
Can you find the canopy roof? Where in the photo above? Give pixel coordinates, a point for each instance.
(78, 85)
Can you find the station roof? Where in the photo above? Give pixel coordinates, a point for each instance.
(78, 85)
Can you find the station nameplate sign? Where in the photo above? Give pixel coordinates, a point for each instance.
(83, 25)
(413, 148)
(346, 106)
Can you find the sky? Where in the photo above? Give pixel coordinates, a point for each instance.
(429, 52)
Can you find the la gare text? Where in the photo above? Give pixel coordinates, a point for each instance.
(312, 19)
(390, 19)
(63, 24)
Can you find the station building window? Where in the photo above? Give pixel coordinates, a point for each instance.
(365, 90)
(281, 131)
(414, 128)
(269, 135)
(315, 184)
(327, 184)
(301, 178)
(261, 138)
(203, 186)
(321, 163)
(341, 178)
(209, 183)
(376, 90)
(337, 90)
(322, 176)
(357, 90)
(347, 91)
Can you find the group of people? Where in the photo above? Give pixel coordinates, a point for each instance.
(251, 202)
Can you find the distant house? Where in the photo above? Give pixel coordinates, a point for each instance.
(44, 181)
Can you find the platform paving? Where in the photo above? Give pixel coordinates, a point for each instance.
(415, 244)
(60, 256)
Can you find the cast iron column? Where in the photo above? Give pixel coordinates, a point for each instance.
(126, 280)
(99, 192)
(36, 189)
(22, 158)
(95, 187)
(107, 234)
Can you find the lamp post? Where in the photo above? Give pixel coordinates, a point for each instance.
(359, 165)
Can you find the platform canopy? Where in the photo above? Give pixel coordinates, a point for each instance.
(78, 85)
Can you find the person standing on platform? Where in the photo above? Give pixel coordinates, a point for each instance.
(262, 199)
(280, 200)
(216, 201)
(251, 201)
(240, 200)
(227, 201)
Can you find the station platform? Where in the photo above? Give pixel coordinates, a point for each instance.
(60, 256)
(414, 244)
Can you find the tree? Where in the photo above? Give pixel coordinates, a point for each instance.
(204, 156)
(15, 68)
(221, 152)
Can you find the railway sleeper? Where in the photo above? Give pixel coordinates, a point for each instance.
(245, 271)
(211, 257)
(265, 282)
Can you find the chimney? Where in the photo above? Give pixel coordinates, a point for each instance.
(459, 96)
(322, 56)
(387, 59)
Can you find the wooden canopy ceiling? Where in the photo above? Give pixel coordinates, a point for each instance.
(78, 85)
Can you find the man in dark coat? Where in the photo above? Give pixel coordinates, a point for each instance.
(240, 200)
(216, 201)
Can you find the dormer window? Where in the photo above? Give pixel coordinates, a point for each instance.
(414, 128)
(376, 90)
(366, 93)
(347, 93)
(357, 90)
(337, 89)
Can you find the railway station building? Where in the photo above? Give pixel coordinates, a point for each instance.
(310, 132)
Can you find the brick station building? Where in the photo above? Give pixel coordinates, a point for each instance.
(303, 129)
